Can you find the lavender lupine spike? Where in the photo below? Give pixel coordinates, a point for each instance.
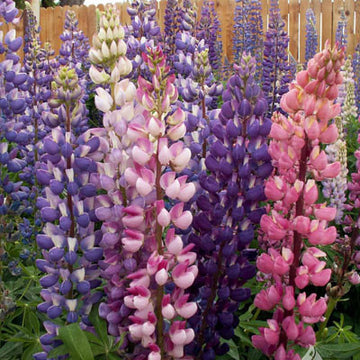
(311, 44)
(240, 28)
(229, 210)
(188, 16)
(356, 68)
(255, 43)
(74, 50)
(171, 26)
(341, 30)
(68, 241)
(143, 32)
(276, 74)
(208, 28)
(15, 201)
(40, 68)
(9, 12)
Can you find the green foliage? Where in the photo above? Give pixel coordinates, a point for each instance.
(21, 328)
(84, 345)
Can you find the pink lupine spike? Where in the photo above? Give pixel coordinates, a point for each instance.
(329, 135)
(310, 192)
(267, 299)
(326, 213)
(318, 158)
(278, 132)
(310, 309)
(164, 152)
(153, 263)
(288, 300)
(143, 151)
(272, 333)
(302, 78)
(275, 189)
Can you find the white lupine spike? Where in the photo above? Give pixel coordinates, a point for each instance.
(105, 50)
(102, 34)
(109, 34)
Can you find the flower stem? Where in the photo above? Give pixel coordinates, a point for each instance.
(330, 308)
(159, 242)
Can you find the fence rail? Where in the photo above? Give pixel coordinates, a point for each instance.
(327, 13)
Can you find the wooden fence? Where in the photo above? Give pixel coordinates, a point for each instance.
(327, 13)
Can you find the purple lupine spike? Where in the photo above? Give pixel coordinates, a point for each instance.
(69, 241)
(171, 26)
(208, 29)
(311, 44)
(341, 30)
(228, 211)
(275, 77)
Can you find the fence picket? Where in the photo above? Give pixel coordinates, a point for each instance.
(327, 13)
(294, 9)
(327, 21)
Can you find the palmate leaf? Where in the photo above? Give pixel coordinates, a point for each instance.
(338, 351)
(10, 350)
(76, 342)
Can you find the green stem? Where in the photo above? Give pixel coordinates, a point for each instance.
(26, 289)
(330, 308)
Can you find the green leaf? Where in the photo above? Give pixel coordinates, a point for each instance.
(338, 351)
(10, 349)
(59, 351)
(28, 353)
(76, 342)
(100, 326)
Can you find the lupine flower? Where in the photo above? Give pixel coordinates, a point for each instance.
(208, 28)
(248, 29)
(143, 32)
(336, 189)
(356, 68)
(228, 210)
(171, 26)
(341, 30)
(68, 241)
(275, 77)
(164, 263)
(311, 43)
(288, 265)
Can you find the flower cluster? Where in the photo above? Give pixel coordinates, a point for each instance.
(164, 263)
(108, 51)
(296, 224)
(228, 210)
(311, 44)
(69, 242)
(276, 69)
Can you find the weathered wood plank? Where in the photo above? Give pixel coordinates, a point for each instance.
(294, 9)
(327, 21)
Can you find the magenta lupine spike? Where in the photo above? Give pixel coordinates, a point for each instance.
(166, 263)
(291, 263)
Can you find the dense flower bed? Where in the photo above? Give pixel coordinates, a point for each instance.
(159, 202)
